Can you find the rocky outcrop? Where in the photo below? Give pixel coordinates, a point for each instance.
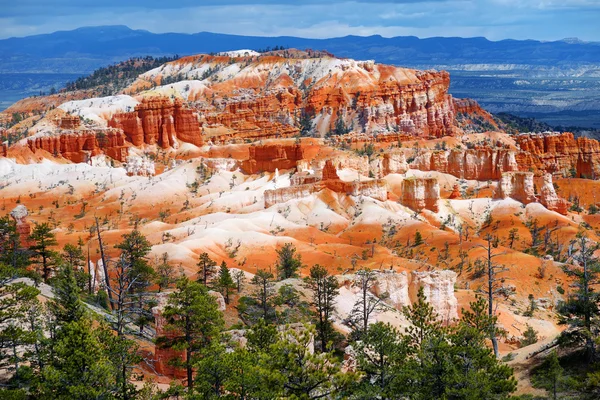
(376, 189)
(68, 122)
(455, 192)
(438, 287)
(516, 185)
(80, 146)
(392, 286)
(559, 153)
(270, 157)
(420, 193)
(4, 149)
(549, 198)
(139, 166)
(158, 120)
(19, 215)
(478, 164)
(394, 163)
(329, 171)
(469, 113)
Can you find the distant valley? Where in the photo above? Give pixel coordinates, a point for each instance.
(555, 82)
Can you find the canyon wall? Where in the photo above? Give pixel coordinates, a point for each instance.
(438, 287)
(559, 153)
(80, 146)
(478, 164)
(420, 193)
(268, 158)
(158, 120)
(516, 185)
(549, 198)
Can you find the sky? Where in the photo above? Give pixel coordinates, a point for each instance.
(494, 19)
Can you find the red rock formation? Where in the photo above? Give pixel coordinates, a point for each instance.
(68, 122)
(394, 163)
(470, 109)
(479, 164)
(455, 192)
(420, 193)
(157, 120)
(79, 146)
(4, 150)
(376, 189)
(559, 153)
(549, 198)
(19, 215)
(516, 185)
(270, 157)
(329, 171)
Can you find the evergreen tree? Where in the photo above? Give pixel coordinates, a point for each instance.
(418, 238)
(193, 321)
(80, 368)
(44, 239)
(207, 268)
(66, 305)
(261, 336)
(380, 356)
(16, 339)
(11, 252)
(324, 288)
(288, 262)
(239, 277)
(260, 305)
(225, 282)
(581, 309)
(165, 275)
(550, 375)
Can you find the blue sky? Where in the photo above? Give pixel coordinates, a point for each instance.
(494, 19)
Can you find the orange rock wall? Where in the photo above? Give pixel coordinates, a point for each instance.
(157, 120)
(559, 153)
(267, 158)
(80, 146)
(420, 193)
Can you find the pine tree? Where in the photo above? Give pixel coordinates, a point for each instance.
(380, 356)
(165, 276)
(66, 305)
(418, 238)
(207, 268)
(288, 262)
(225, 282)
(581, 309)
(550, 375)
(44, 239)
(324, 288)
(263, 297)
(194, 322)
(11, 252)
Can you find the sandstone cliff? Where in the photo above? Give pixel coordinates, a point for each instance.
(420, 193)
(549, 198)
(516, 185)
(479, 164)
(559, 153)
(438, 287)
(158, 120)
(80, 146)
(268, 158)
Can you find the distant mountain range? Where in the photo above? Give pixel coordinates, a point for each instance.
(558, 81)
(84, 49)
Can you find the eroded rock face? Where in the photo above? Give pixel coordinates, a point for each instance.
(376, 189)
(68, 122)
(19, 215)
(559, 153)
(139, 166)
(80, 146)
(158, 120)
(470, 110)
(268, 158)
(516, 185)
(549, 198)
(219, 298)
(438, 287)
(393, 286)
(394, 163)
(455, 192)
(329, 171)
(477, 164)
(421, 193)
